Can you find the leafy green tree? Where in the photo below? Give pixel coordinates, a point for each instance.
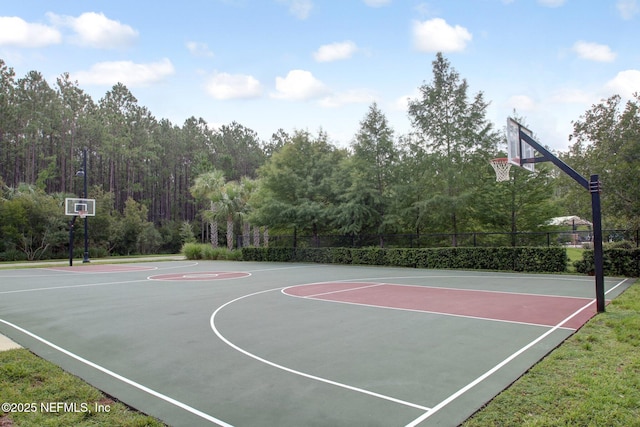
(296, 188)
(127, 147)
(186, 233)
(149, 239)
(77, 129)
(38, 109)
(606, 141)
(9, 129)
(238, 151)
(524, 203)
(457, 139)
(365, 193)
(277, 141)
(31, 222)
(134, 221)
(106, 229)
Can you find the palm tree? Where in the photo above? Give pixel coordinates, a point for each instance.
(248, 187)
(208, 187)
(229, 207)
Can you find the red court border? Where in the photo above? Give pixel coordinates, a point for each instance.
(201, 275)
(542, 310)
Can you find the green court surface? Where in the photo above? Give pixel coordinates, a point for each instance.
(265, 344)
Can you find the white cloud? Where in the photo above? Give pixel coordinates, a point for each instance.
(126, 72)
(96, 30)
(355, 96)
(594, 51)
(233, 86)
(625, 83)
(402, 103)
(377, 3)
(521, 103)
(628, 8)
(16, 32)
(299, 8)
(572, 96)
(435, 35)
(199, 49)
(335, 51)
(299, 85)
(551, 3)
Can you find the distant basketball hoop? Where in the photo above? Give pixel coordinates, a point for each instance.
(502, 167)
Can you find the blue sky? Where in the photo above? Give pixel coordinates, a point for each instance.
(311, 64)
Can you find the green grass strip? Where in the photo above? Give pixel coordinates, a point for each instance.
(34, 392)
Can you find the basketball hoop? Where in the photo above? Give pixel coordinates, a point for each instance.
(502, 167)
(82, 214)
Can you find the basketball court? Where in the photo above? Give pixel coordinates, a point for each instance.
(265, 344)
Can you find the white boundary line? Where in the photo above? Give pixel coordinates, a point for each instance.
(372, 285)
(194, 276)
(130, 269)
(464, 289)
(121, 378)
(136, 268)
(48, 270)
(84, 285)
(491, 371)
(55, 288)
(293, 371)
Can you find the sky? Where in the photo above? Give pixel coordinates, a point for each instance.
(320, 64)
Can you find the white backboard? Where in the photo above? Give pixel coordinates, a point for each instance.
(518, 149)
(74, 207)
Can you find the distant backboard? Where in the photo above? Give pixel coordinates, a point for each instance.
(518, 149)
(79, 207)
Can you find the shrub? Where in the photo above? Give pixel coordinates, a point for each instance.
(192, 251)
(208, 252)
(12, 255)
(615, 262)
(507, 258)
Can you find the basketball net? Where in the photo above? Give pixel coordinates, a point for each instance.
(82, 214)
(502, 167)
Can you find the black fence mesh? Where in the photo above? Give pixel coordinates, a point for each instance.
(436, 240)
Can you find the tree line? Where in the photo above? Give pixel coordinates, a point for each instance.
(436, 179)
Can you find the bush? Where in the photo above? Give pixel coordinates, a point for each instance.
(208, 252)
(550, 260)
(615, 262)
(192, 250)
(12, 255)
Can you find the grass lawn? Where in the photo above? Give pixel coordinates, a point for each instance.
(574, 254)
(36, 387)
(592, 379)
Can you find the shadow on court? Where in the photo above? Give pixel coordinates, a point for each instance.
(257, 344)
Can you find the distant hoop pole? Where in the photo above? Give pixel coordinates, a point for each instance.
(502, 167)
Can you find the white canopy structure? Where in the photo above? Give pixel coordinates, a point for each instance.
(569, 220)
